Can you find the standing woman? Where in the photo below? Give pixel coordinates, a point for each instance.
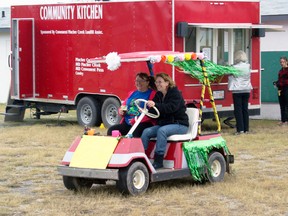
(172, 120)
(241, 87)
(282, 85)
(144, 90)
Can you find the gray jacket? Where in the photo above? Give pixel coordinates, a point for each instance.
(241, 83)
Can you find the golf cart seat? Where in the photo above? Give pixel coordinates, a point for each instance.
(193, 115)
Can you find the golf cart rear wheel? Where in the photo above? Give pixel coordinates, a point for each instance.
(133, 179)
(218, 167)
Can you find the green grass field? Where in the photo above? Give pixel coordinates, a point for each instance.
(30, 184)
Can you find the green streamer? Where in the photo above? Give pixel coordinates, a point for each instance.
(213, 70)
(196, 153)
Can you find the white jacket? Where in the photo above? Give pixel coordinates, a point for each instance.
(241, 83)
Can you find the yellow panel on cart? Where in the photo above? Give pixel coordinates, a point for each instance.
(94, 152)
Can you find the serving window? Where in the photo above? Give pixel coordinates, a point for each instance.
(218, 44)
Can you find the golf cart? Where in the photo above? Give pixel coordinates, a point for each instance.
(94, 159)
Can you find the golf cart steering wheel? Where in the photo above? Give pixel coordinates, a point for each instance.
(145, 109)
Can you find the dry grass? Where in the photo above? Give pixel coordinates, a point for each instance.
(30, 185)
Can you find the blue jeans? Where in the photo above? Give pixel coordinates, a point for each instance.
(161, 132)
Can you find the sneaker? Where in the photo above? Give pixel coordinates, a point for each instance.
(239, 133)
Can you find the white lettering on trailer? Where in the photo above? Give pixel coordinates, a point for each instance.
(83, 65)
(61, 32)
(78, 73)
(100, 70)
(46, 32)
(80, 59)
(57, 12)
(66, 12)
(89, 11)
(72, 32)
(86, 64)
(88, 69)
(98, 32)
(96, 64)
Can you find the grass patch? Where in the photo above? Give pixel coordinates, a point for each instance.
(30, 184)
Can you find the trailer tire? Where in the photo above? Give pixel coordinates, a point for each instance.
(88, 112)
(109, 112)
(134, 179)
(218, 167)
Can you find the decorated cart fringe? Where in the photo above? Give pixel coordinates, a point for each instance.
(189, 63)
(196, 153)
(213, 70)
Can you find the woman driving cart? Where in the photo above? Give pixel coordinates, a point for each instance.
(172, 120)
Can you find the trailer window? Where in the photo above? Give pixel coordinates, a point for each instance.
(206, 43)
(222, 47)
(241, 40)
(218, 45)
(190, 40)
(199, 40)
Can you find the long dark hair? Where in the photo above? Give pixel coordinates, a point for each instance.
(151, 79)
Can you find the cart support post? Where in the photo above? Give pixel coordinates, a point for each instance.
(206, 82)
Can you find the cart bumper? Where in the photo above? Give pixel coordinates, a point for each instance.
(109, 174)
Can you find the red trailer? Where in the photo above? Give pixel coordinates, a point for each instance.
(52, 45)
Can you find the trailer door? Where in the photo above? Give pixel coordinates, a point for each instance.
(22, 58)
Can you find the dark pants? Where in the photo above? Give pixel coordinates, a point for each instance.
(241, 113)
(283, 101)
(124, 128)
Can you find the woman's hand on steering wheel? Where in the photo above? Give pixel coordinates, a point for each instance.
(145, 110)
(150, 103)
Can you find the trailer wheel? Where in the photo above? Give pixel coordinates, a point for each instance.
(133, 179)
(109, 112)
(88, 112)
(218, 167)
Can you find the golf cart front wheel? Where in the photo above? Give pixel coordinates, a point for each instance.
(76, 184)
(133, 179)
(217, 167)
